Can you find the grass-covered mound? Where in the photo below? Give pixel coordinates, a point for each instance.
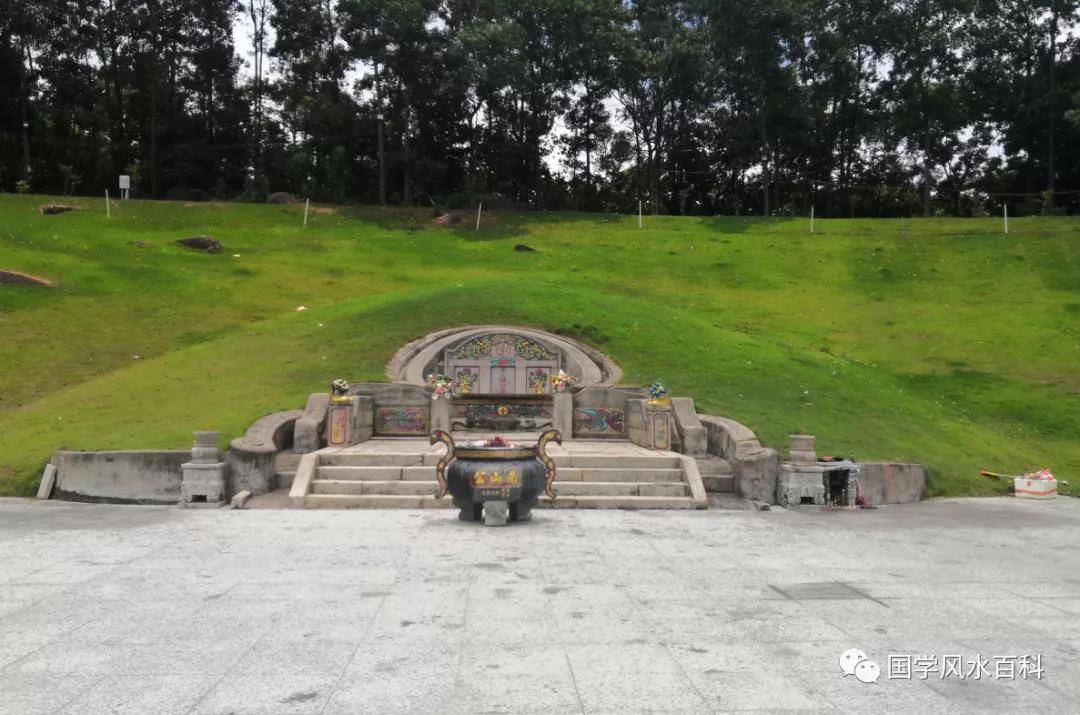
(939, 341)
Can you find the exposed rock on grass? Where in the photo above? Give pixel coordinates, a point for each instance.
(201, 243)
(53, 209)
(20, 278)
(281, 197)
(448, 219)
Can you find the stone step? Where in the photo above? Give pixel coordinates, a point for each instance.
(716, 474)
(352, 486)
(723, 483)
(618, 474)
(367, 459)
(662, 489)
(284, 480)
(616, 502)
(620, 461)
(286, 461)
(378, 474)
(376, 501)
(428, 501)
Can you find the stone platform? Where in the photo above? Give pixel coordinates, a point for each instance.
(591, 474)
(154, 609)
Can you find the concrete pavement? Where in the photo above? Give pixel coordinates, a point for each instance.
(164, 610)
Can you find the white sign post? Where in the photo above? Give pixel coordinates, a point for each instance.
(307, 205)
(811, 218)
(639, 213)
(479, 208)
(108, 211)
(125, 186)
(1006, 209)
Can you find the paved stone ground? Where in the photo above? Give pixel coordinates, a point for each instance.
(158, 610)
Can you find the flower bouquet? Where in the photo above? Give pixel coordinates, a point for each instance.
(561, 381)
(440, 386)
(658, 392)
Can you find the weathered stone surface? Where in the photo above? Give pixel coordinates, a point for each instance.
(240, 499)
(251, 458)
(692, 434)
(401, 611)
(756, 474)
(203, 483)
(891, 483)
(562, 413)
(308, 432)
(755, 468)
(800, 484)
(137, 477)
(802, 449)
(48, 480)
(496, 513)
(440, 414)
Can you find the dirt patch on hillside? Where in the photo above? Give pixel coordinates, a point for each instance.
(54, 209)
(449, 219)
(26, 279)
(201, 243)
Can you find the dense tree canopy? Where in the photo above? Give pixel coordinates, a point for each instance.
(854, 107)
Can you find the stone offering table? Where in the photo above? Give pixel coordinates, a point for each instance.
(498, 482)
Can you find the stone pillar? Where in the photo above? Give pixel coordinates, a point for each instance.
(562, 410)
(802, 449)
(649, 424)
(203, 481)
(658, 421)
(637, 427)
(350, 420)
(440, 413)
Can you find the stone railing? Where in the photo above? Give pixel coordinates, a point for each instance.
(754, 467)
(251, 457)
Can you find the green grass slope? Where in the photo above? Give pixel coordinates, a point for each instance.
(939, 341)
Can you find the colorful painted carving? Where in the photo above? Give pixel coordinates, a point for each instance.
(479, 411)
(503, 346)
(466, 380)
(402, 420)
(607, 421)
(538, 380)
(496, 479)
(338, 434)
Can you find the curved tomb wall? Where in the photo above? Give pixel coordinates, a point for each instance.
(501, 359)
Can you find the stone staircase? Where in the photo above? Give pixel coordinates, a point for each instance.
(406, 480)
(285, 465)
(716, 474)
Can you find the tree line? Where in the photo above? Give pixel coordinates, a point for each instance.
(854, 107)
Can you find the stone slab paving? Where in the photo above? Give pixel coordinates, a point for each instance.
(163, 610)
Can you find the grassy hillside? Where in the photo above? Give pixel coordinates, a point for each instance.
(938, 341)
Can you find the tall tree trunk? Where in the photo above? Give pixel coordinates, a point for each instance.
(926, 174)
(24, 111)
(406, 189)
(1051, 179)
(766, 175)
(153, 137)
(381, 132)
